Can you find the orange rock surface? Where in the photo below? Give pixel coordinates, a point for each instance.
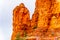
(21, 20)
(45, 22)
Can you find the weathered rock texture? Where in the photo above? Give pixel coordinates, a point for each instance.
(21, 20)
(45, 22)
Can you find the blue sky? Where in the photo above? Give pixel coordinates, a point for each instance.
(6, 8)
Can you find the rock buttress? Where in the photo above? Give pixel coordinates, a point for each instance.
(21, 21)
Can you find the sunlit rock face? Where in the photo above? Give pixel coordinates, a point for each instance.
(43, 7)
(21, 20)
(45, 22)
(46, 10)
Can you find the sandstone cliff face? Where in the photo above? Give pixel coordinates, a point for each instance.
(55, 19)
(45, 22)
(21, 20)
(47, 9)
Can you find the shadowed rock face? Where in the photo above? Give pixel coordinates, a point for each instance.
(45, 21)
